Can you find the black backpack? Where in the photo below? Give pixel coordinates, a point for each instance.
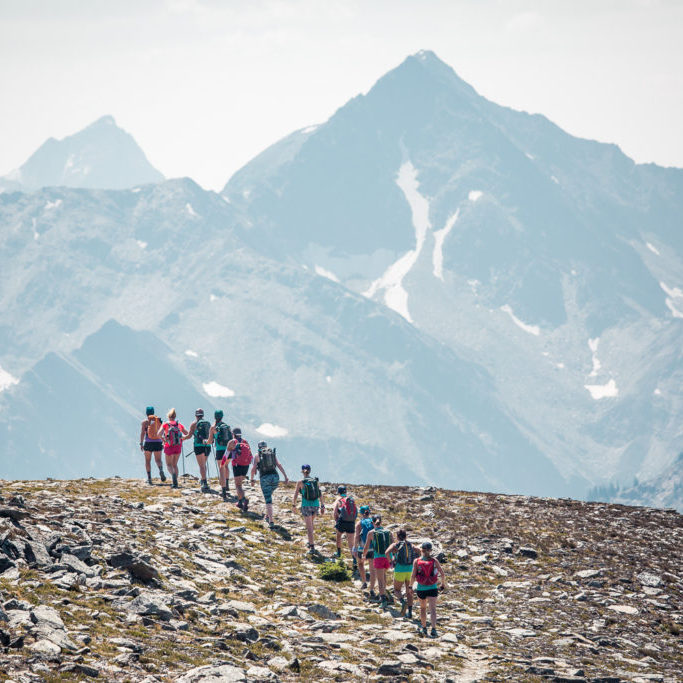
(381, 540)
(223, 434)
(406, 553)
(201, 430)
(267, 461)
(310, 489)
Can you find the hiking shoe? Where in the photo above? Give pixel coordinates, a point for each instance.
(422, 630)
(364, 586)
(149, 479)
(410, 612)
(433, 633)
(271, 524)
(239, 503)
(373, 595)
(338, 553)
(175, 482)
(205, 487)
(162, 476)
(404, 607)
(245, 504)
(224, 493)
(383, 601)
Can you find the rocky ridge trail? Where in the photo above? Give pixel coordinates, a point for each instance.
(121, 581)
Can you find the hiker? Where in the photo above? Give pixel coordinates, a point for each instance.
(426, 571)
(404, 555)
(172, 435)
(345, 514)
(311, 502)
(362, 528)
(199, 429)
(220, 434)
(150, 442)
(267, 464)
(241, 459)
(380, 539)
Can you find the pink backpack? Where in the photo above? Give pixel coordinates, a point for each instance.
(242, 454)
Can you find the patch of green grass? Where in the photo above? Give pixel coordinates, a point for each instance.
(334, 571)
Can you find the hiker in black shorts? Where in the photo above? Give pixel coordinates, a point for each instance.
(362, 529)
(200, 429)
(241, 459)
(345, 514)
(427, 571)
(220, 434)
(151, 443)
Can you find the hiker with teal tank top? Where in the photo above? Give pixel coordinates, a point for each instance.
(199, 432)
(403, 555)
(379, 539)
(267, 465)
(241, 457)
(151, 443)
(172, 433)
(220, 434)
(363, 527)
(345, 514)
(426, 571)
(311, 503)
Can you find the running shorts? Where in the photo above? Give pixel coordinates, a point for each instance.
(402, 576)
(220, 454)
(240, 470)
(369, 555)
(152, 446)
(345, 527)
(381, 563)
(269, 482)
(310, 510)
(429, 593)
(173, 450)
(202, 450)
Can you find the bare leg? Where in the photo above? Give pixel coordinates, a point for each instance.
(398, 587)
(409, 594)
(157, 459)
(423, 612)
(309, 529)
(373, 574)
(382, 581)
(432, 611)
(223, 473)
(148, 463)
(238, 487)
(349, 542)
(201, 461)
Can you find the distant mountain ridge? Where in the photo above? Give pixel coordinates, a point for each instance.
(428, 287)
(101, 156)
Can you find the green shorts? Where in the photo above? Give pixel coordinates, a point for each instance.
(402, 576)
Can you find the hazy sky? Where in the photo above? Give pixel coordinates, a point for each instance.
(204, 85)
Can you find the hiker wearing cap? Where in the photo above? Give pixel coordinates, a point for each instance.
(379, 539)
(241, 457)
(150, 443)
(311, 502)
(404, 554)
(363, 527)
(426, 571)
(267, 464)
(345, 514)
(220, 434)
(199, 430)
(172, 435)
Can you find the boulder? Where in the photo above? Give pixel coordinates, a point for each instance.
(149, 604)
(222, 673)
(76, 565)
(528, 552)
(261, 673)
(649, 579)
(323, 612)
(45, 647)
(36, 554)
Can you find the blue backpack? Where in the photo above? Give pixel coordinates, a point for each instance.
(365, 526)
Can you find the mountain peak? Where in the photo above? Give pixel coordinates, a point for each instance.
(101, 156)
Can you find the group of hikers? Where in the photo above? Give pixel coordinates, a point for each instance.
(366, 538)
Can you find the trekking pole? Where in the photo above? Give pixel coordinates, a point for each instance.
(182, 450)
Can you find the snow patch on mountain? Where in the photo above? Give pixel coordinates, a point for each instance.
(326, 273)
(272, 431)
(554, 179)
(652, 248)
(191, 211)
(395, 296)
(530, 329)
(673, 293)
(439, 237)
(474, 195)
(216, 390)
(141, 244)
(191, 353)
(49, 206)
(593, 345)
(6, 380)
(598, 391)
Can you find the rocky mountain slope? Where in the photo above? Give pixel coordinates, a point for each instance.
(102, 155)
(116, 580)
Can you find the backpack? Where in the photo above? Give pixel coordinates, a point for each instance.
(223, 434)
(381, 541)
(426, 572)
(406, 553)
(365, 526)
(201, 431)
(347, 509)
(153, 423)
(242, 456)
(267, 462)
(310, 489)
(174, 436)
